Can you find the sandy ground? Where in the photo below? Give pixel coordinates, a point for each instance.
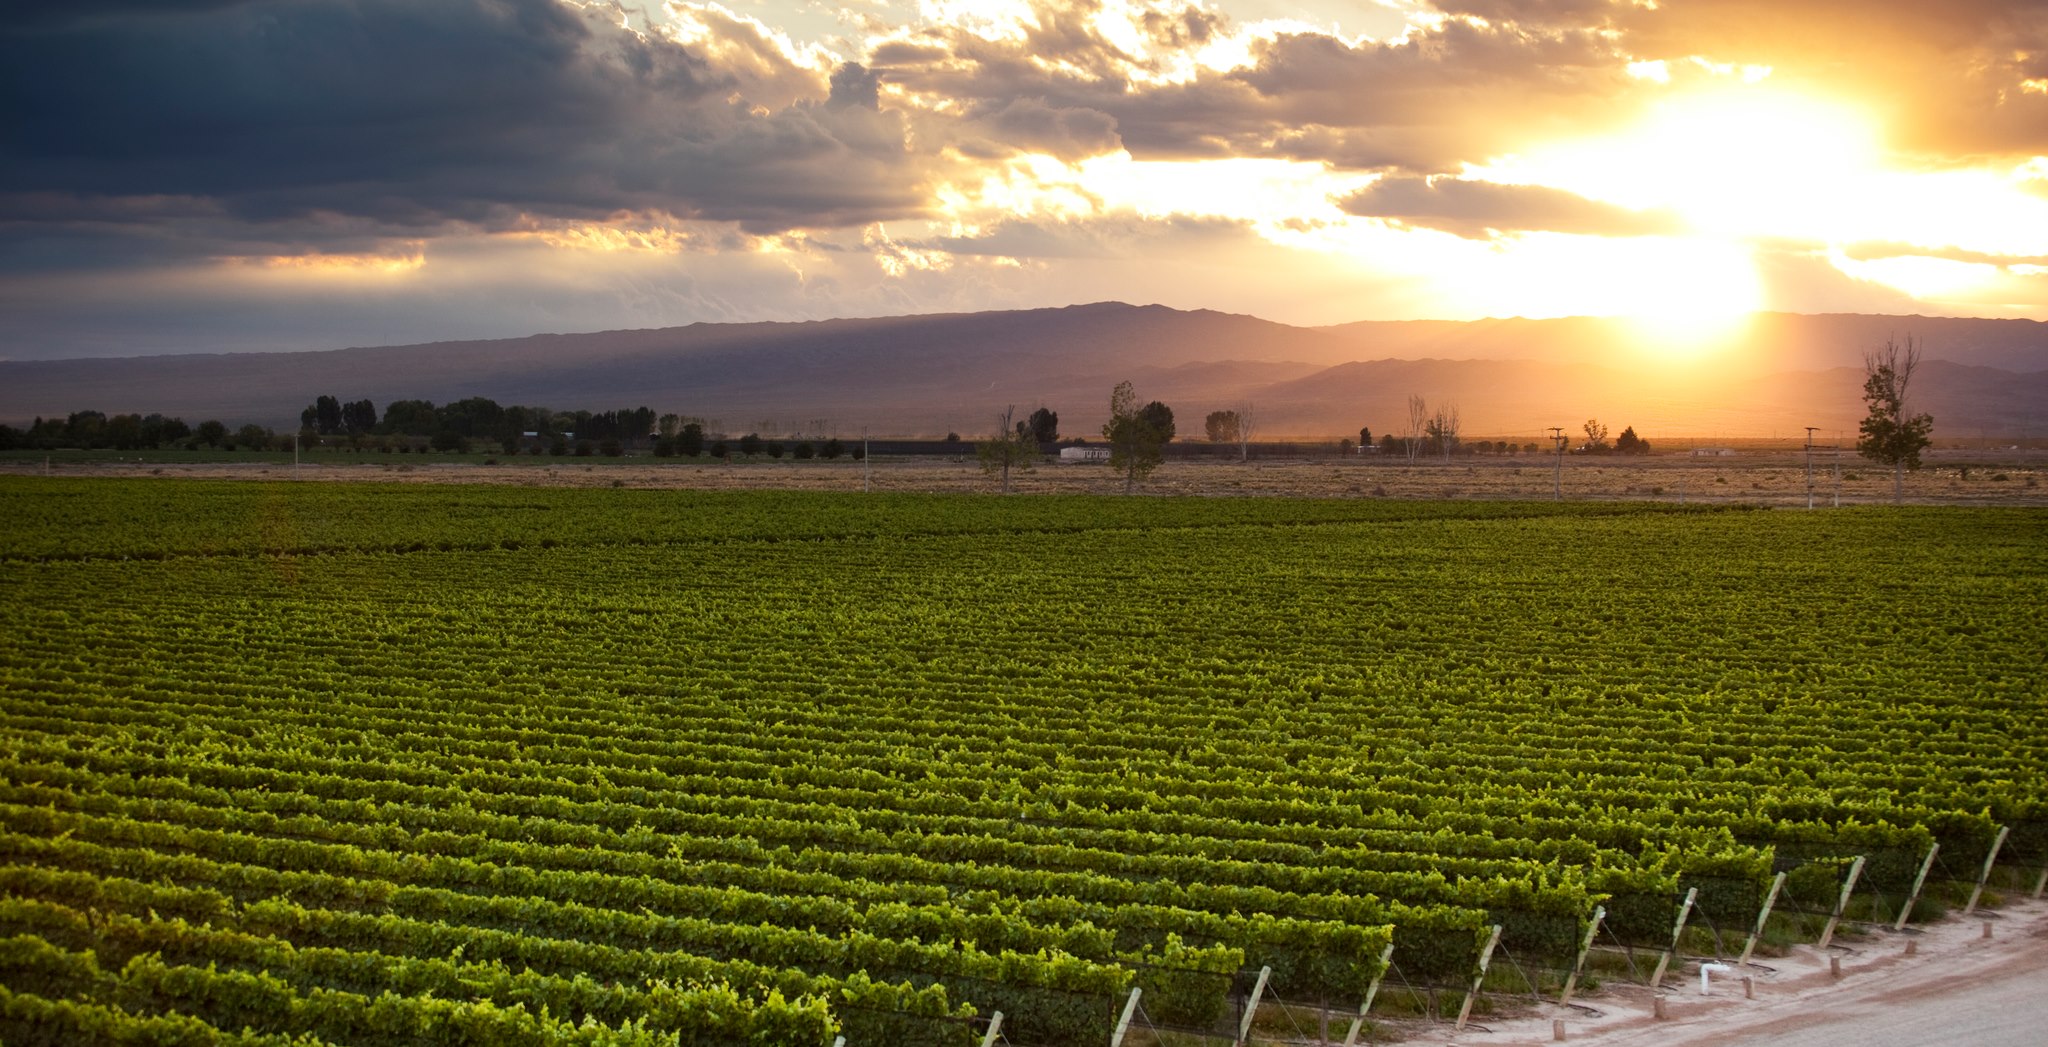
(2017, 477)
(1958, 987)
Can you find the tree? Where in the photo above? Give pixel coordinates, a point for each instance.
(1137, 435)
(1418, 417)
(1221, 427)
(359, 417)
(1890, 435)
(1014, 445)
(253, 436)
(1596, 436)
(750, 444)
(690, 441)
(1045, 426)
(211, 432)
(1629, 443)
(1443, 429)
(411, 418)
(1245, 423)
(1365, 436)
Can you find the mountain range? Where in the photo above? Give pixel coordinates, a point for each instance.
(933, 374)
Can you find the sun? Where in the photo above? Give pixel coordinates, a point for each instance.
(1740, 161)
(1739, 165)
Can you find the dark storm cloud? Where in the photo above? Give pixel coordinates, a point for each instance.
(413, 115)
(1482, 210)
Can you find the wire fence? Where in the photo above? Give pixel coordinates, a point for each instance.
(1814, 896)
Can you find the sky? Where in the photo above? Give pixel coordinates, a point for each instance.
(240, 175)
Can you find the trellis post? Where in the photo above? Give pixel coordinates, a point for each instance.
(1841, 901)
(1593, 928)
(1251, 1007)
(1123, 1024)
(1918, 882)
(1677, 931)
(1978, 891)
(1485, 958)
(995, 1026)
(1764, 914)
(1371, 991)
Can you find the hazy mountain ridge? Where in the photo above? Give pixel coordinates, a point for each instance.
(930, 374)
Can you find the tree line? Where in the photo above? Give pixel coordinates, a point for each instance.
(1136, 435)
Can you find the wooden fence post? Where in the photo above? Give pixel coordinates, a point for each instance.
(1251, 1007)
(1485, 957)
(1986, 874)
(1827, 933)
(1763, 915)
(1123, 1024)
(1918, 882)
(1371, 991)
(1593, 928)
(1677, 931)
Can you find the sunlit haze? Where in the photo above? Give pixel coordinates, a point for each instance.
(261, 176)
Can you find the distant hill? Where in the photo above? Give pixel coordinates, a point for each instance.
(927, 375)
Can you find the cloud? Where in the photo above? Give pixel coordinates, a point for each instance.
(1483, 210)
(1459, 92)
(1876, 251)
(1002, 128)
(687, 161)
(412, 116)
(1946, 79)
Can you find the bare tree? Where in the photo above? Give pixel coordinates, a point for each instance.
(1443, 429)
(1596, 436)
(1012, 445)
(1244, 431)
(1418, 418)
(1890, 435)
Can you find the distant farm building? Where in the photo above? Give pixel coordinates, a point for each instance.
(1713, 452)
(1084, 454)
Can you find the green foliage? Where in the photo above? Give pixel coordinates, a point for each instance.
(1137, 435)
(1890, 436)
(641, 766)
(1184, 984)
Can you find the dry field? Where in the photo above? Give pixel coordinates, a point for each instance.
(1952, 477)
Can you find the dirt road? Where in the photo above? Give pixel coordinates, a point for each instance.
(1957, 988)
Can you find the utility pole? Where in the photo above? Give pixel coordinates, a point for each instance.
(1557, 481)
(1835, 456)
(1809, 465)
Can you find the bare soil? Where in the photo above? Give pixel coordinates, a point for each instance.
(1780, 478)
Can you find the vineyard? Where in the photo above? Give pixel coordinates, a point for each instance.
(386, 764)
